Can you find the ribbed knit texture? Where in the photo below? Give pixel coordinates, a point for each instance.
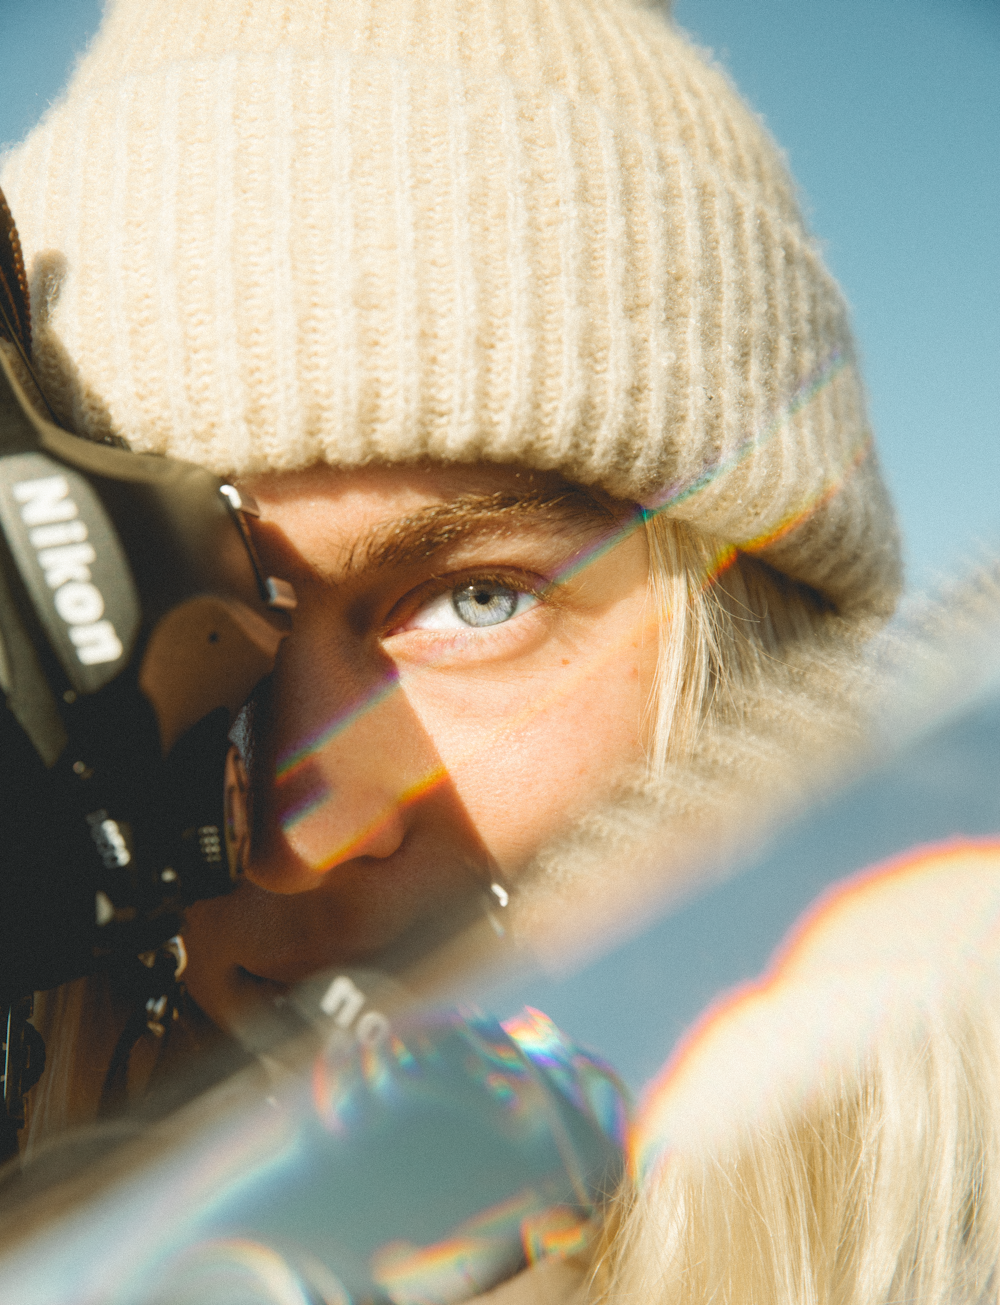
(277, 232)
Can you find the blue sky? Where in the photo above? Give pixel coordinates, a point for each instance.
(888, 110)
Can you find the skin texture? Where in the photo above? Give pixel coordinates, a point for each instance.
(403, 760)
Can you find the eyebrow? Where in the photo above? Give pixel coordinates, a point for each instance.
(419, 535)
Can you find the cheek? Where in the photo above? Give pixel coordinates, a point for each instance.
(530, 753)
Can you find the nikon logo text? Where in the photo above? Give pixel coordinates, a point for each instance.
(343, 1001)
(59, 538)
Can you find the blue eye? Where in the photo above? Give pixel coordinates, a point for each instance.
(484, 604)
(475, 605)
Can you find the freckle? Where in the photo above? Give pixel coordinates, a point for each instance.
(565, 661)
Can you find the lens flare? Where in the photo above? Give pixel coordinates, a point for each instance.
(792, 520)
(402, 1118)
(680, 491)
(419, 789)
(480, 1253)
(292, 761)
(888, 933)
(235, 1271)
(586, 1080)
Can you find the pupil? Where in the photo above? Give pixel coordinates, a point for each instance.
(484, 604)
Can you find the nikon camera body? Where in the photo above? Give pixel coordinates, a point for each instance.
(134, 623)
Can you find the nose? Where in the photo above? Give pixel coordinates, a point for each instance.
(341, 785)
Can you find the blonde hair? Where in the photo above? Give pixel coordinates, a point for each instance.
(829, 1135)
(724, 619)
(881, 1186)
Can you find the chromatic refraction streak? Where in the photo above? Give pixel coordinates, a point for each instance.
(818, 380)
(293, 760)
(434, 778)
(815, 942)
(421, 788)
(800, 515)
(299, 811)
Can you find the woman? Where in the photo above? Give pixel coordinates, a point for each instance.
(505, 313)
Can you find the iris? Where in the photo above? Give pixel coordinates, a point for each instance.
(481, 604)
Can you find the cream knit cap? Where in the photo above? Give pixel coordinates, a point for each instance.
(268, 233)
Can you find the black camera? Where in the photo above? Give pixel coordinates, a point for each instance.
(135, 621)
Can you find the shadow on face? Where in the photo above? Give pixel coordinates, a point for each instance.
(467, 672)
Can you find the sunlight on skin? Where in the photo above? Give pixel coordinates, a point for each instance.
(607, 658)
(585, 557)
(419, 789)
(470, 691)
(302, 752)
(495, 740)
(477, 761)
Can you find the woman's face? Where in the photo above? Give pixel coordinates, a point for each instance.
(469, 665)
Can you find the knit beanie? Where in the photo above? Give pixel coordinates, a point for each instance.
(263, 234)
